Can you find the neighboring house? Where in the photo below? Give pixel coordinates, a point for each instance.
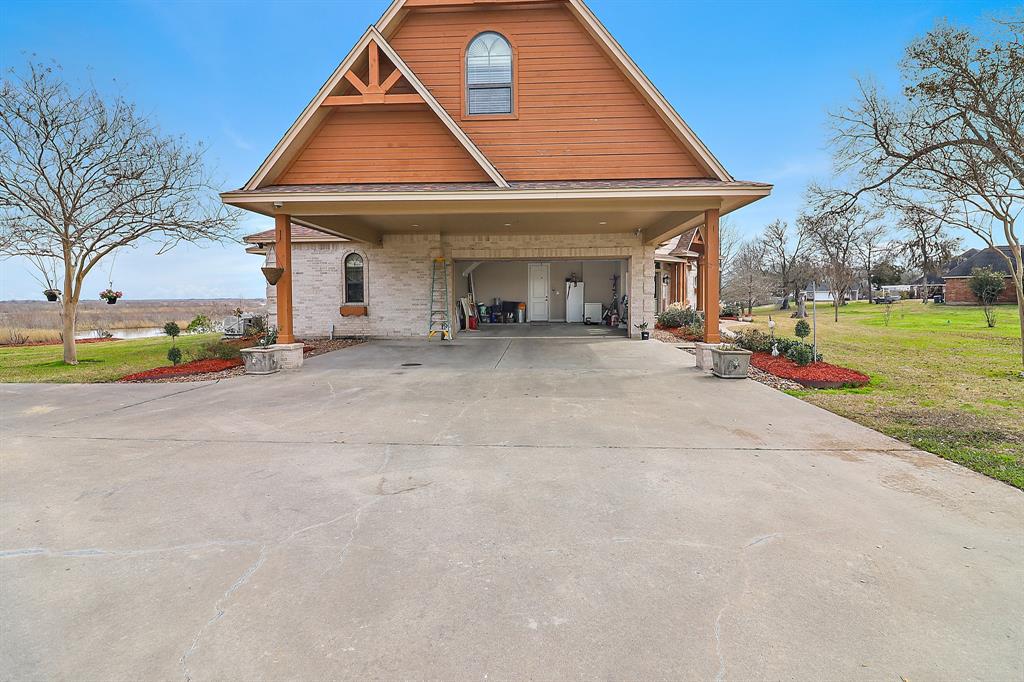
(517, 141)
(826, 295)
(958, 290)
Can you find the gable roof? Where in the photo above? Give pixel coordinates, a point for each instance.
(394, 14)
(299, 132)
(986, 258)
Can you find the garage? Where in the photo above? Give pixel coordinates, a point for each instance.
(555, 297)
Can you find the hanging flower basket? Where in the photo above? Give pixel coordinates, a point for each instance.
(272, 275)
(110, 296)
(52, 294)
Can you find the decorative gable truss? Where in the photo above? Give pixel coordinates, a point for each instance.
(374, 90)
(357, 82)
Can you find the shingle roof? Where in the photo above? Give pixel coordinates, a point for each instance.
(488, 186)
(986, 258)
(299, 232)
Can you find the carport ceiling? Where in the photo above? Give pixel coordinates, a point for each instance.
(502, 223)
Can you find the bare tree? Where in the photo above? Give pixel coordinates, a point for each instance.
(783, 252)
(748, 282)
(872, 247)
(835, 229)
(82, 176)
(953, 143)
(928, 244)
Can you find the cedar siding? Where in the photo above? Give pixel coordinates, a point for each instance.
(577, 116)
(386, 143)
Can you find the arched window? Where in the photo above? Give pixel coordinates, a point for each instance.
(354, 279)
(489, 75)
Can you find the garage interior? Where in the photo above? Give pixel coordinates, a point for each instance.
(542, 298)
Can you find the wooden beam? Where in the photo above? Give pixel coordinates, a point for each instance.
(374, 66)
(371, 98)
(390, 81)
(283, 259)
(711, 276)
(665, 228)
(352, 78)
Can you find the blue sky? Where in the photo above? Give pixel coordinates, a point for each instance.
(753, 79)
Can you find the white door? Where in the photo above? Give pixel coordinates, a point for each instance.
(540, 289)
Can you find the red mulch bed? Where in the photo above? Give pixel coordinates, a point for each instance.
(680, 333)
(814, 375)
(186, 368)
(58, 343)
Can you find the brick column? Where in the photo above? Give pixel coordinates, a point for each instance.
(711, 276)
(283, 259)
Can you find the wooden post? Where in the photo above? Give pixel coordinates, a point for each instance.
(283, 259)
(711, 275)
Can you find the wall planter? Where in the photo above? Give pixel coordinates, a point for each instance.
(353, 311)
(260, 360)
(272, 275)
(703, 353)
(730, 363)
(111, 301)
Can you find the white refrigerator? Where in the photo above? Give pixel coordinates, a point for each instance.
(574, 301)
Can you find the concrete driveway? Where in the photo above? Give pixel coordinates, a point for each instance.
(528, 509)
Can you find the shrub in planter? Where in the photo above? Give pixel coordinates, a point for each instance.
(174, 355)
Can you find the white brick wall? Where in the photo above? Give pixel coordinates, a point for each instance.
(398, 276)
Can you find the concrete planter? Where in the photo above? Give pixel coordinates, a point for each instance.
(289, 355)
(703, 352)
(260, 360)
(730, 364)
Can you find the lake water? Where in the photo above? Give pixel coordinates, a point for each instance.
(140, 333)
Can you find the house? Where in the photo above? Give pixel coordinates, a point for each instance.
(825, 295)
(485, 152)
(675, 271)
(958, 290)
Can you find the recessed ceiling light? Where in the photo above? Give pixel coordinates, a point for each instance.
(603, 222)
(415, 224)
(508, 224)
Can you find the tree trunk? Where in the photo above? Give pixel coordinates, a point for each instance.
(835, 303)
(1020, 313)
(70, 312)
(801, 305)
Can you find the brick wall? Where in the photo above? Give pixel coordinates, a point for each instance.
(397, 276)
(958, 291)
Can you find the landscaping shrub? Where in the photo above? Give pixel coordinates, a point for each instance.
(802, 354)
(216, 350)
(172, 329)
(174, 355)
(679, 317)
(986, 285)
(803, 330)
(731, 310)
(759, 342)
(200, 324)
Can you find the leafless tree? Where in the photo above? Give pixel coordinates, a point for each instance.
(835, 229)
(82, 175)
(871, 247)
(748, 282)
(953, 143)
(783, 253)
(928, 244)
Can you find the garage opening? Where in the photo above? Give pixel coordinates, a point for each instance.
(537, 298)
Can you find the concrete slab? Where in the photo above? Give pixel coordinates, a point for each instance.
(545, 330)
(488, 513)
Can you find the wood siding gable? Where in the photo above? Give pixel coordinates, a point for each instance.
(577, 116)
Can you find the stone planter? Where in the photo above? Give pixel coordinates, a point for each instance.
(289, 355)
(730, 363)
(703, 353)
(260, 360)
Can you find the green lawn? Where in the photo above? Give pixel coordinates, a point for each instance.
(940, 379)
(106, 361)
